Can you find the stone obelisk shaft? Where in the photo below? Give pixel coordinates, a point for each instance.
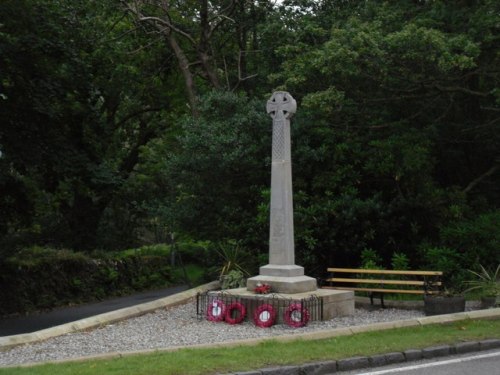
(281, 238)
(281, 272)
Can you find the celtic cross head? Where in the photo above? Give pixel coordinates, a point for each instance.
(281, 105)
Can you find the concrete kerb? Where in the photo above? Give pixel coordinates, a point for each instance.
(106, 318)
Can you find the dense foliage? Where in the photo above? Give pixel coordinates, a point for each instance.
(41, 278)
(126, 121)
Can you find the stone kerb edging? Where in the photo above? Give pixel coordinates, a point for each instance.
(106, 318)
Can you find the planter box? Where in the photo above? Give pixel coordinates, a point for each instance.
(488, 302)
(437, 305)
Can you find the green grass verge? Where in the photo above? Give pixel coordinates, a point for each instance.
(272, 353)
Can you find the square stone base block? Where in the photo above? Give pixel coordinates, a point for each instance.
(334, 302)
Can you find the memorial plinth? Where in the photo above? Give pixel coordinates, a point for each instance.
(334, 303)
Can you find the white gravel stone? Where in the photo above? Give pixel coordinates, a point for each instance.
(176, 326)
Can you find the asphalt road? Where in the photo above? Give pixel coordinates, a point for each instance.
(31, 323)
(480, 363)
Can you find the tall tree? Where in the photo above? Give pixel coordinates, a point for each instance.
(205, 37)
(408, 92)
(73, 122)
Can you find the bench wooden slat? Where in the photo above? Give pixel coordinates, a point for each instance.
(386, 272)
(376, 281)
(376, 290)
(380, 281)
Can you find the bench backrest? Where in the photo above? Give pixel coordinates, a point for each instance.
(386, 272)
(410, 282)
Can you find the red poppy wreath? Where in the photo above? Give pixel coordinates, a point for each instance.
(235, 313)
(296, 315)
(216, 311)
(264, 316)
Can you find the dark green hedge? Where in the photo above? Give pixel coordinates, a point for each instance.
(38, 279)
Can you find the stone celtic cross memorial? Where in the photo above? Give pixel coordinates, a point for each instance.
(289, 286)
(282, 273)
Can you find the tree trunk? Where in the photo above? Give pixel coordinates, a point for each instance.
(183, 62)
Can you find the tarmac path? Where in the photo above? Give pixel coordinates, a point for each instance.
(35, 322)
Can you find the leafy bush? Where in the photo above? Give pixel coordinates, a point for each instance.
(476, 239)
(464, 244)
(42, 278)
(233, 279)
(152, 250)
(370, 259)
(400, 261)
(449, 261)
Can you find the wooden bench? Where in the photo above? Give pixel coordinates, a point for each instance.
(384, 281)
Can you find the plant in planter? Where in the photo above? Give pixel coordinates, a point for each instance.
(488, 285)
(451, 298)
(233, 279)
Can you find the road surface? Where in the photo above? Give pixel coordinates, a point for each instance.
(480, 363)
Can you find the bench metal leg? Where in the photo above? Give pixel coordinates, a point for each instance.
(381, 299)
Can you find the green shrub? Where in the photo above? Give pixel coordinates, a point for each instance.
(450, 262)
(400, 261)
(42, 278)
(156, 250)
(370, 259)
(233, 279)
(193, 252)
(476, 239)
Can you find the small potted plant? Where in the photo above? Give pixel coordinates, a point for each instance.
(450, 299)
(488, 285)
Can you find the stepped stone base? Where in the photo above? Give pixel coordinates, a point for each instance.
(280, 270)
(288, 279)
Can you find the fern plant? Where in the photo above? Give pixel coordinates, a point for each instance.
(487, 282)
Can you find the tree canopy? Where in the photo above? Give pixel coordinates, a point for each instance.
(118, 116)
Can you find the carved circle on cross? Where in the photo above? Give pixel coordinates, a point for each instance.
(281, 105)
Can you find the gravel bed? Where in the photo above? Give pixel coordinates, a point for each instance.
(172, 327)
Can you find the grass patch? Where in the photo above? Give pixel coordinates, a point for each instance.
(272, 353)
